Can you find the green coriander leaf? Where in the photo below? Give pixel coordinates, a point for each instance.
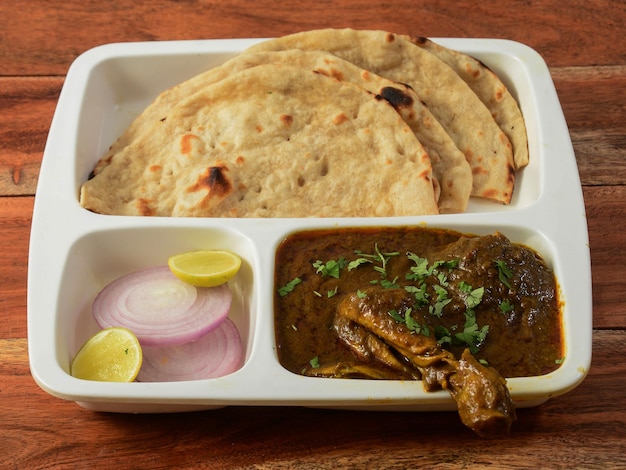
(360, 294)
(420, 294)
(506, 306)
(410, 321)
(330, 268)
(420, 270)
(465, 287)
(445, 264)
(442, 294)
(332, 292)
(437, 308)
(474, 297)
(389, 284)
(443, 335)
(471, 335)
(315, 362)
(396, 316)
(504, 273)
(286, 289)
(357, 262)
(380, 270)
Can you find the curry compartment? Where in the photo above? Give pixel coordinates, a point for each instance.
(349, 302)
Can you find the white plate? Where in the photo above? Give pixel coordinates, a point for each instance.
(74, 253)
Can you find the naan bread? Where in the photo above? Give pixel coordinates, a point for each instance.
(459, 110)
(491, 91)
(269, 141)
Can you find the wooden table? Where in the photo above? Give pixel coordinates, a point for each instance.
(584, 46)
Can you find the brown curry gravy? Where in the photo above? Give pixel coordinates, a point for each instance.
(523, 342)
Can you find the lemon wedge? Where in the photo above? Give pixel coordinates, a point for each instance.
(205, 268)
(111, 355)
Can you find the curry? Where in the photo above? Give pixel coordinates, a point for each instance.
(451, 309)
(519, 308)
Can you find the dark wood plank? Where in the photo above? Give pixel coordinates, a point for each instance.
(15, 219)
(584, 428)
(47, 39)
(606, 218)
(594, 105)
(27, 105)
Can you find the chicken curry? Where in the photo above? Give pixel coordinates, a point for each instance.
(457, 311)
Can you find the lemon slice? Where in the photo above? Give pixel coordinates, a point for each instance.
(205, 268)
(111, 355)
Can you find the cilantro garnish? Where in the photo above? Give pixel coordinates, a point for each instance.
(504, 273)
(412, 325)
(287, 288)
(505, 306)
(331, 268)
(376, 257)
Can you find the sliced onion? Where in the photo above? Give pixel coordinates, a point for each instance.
(161, 309)
(216, 354)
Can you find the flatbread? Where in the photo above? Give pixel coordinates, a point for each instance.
(451, 171)
(491, 91)
(459, 110)
(269, 141)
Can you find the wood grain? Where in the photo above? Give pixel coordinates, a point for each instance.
(582, 43)
(46, 40)
(570, 431)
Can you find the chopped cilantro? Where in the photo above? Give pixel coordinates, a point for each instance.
(420, 294)
(315, 362)
(287, 288)
(504, 273)
(471, 335)
(358, 262)
(474, 297)
(330, 268)
(412, 325)
(505, 306)
(396, 316)
(437, 308)
(389, 284)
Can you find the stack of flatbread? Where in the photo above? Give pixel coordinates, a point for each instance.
(323, 123)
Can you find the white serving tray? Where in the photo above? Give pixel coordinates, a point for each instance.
(74, 253)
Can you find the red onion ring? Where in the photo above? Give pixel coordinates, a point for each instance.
(216, 354)
(161, 309)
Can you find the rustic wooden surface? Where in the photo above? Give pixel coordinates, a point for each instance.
(583, 44)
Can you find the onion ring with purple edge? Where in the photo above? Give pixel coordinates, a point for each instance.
(216, 354)
(161, 309)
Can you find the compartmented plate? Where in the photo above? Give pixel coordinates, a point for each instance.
(74, 253)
